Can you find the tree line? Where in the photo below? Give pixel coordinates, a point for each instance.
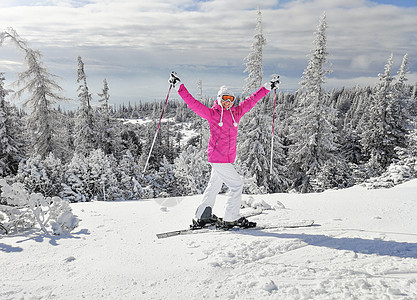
(324, 139)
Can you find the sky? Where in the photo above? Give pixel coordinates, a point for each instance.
(135, 44)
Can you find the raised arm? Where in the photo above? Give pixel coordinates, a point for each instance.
(195, 105)
(250, 102)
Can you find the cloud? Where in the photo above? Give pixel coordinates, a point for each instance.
(135, 44)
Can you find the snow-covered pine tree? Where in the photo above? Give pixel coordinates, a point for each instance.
(129, 176)
(108, 138)
(10, 129)
(254, 147)
(386, 124)
(164, 181)
(279, 180)
(402, 91)
(255, 150)
(76, 187)
(402, 73)
(85, 132)
(313, 133)
(43, 94)
(66, 136)
(254, 59)
(353, 126)
(103, 181)
(130, 139)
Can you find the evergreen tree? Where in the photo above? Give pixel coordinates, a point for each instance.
(131, 140)
(43, 94)
(354, 125)
(386, 124)
(85, 134)
(254, 148)
(76, 180)
(129, 178)
(10, 126)
(254, 60)
(313, 133)
(402, 91)
(165, 184)
(103, 182)
(108, 138)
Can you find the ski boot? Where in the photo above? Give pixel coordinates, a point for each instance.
(206, 219)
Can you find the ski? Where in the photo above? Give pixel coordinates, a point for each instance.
(288, 224)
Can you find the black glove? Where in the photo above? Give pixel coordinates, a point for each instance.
(174, 80)
(273, 84)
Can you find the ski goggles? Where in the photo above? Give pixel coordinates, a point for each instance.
(228, 98)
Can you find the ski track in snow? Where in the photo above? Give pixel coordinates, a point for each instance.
(364, 246)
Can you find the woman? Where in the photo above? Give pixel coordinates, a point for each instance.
(223, 119)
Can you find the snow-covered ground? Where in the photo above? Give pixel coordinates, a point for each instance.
(364, 246)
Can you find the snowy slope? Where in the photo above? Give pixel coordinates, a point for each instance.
(363, 247)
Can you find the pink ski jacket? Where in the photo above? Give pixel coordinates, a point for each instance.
(222, 142)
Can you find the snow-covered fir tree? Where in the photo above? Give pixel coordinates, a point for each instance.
(130, 177)
(10, 134)
(131, 140)
(44, 92)
(85, 132)
(254, 59)
(108, 138)
(402, 91)
(254, 148)
(76, 180)
(103, 181)
(386, 124)
(313, 132)
(164, 180)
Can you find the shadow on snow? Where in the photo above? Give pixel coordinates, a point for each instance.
(357, 245)
(39, 236)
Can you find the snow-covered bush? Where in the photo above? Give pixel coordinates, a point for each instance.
(62, 220)
(257, 204)
(75, 186)
(400, 171)
(395, 174)
(24, 210)
(41, 175)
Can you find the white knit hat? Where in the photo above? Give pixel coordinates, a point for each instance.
(224, 90)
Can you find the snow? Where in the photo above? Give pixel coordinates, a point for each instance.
(364, 246)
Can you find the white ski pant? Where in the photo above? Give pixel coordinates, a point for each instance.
(223, 173)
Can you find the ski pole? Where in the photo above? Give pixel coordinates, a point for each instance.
(157, 129)
(273, 129)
